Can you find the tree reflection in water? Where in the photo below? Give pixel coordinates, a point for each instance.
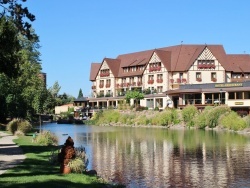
(155, 157)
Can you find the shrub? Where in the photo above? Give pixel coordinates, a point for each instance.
(201, 119)
(214, 114)
(46, 138)
(24, 126)
(247, 120)
(188, 114)
(142, 120)
(233, 121)
(76, 165)
(19, 125)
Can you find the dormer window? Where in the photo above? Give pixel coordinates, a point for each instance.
(104, 73)
(206, 64)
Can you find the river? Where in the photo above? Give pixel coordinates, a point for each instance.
(157, 157)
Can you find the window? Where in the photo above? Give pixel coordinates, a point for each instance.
(159, 89)
(231, 95)
(181, 75)
(198, 75)
(213, 75)
(246, 95)
(239, 95)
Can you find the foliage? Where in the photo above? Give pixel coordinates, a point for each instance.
(188, 114)
(214, 115)
(80, 94)
(54, 90)
(136, 95)
(165, 118)
(232, 121)
(247, 120)
(200, 120)
(19, 125)
(46, 138)
(18, 14)
(36, 170)
(142, 120)
(76, 165)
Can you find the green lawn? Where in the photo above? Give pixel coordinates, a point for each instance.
(36, 171)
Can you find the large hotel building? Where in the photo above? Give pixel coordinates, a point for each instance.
(174, 76)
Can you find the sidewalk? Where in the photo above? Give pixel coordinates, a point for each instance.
(10, 154)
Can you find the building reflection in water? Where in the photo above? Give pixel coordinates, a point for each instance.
(144, 157)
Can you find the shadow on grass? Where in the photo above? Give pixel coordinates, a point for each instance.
(53, 184)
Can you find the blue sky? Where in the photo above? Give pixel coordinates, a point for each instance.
(73, 34)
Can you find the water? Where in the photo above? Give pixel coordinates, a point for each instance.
(155, 157)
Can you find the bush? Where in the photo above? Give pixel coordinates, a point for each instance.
(188, 114)
(46, 138)
(232, 121)
(201, 119)
(214, 114)
(19, 125)
(247, 120)
(76, 165)
(142, 120)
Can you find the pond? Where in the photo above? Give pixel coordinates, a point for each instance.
(158, 157)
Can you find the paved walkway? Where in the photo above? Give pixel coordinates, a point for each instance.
(10, 154)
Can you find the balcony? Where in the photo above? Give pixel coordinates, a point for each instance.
(139, 83)
(104, 74)
(93, 87)
(214, 79)
(152, 69)
(198, 79)
(206, 66)
(150, 81)
(159, 80)
(184, 80)
(107, 85)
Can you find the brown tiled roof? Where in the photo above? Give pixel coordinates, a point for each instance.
(114, 65)
(239, 63)
(165, 57)
(132, 59)
(175, 58)
(94, 71)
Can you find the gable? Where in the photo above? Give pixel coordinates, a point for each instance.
(206, 55)
(154, 58)
(104, 65)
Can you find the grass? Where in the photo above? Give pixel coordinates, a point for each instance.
(36, 171)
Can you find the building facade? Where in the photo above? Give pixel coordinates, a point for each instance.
(174, 76)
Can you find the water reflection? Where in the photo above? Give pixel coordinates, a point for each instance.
(146, 157)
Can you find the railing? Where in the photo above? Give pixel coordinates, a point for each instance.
(150, 81)
(151, 69)
(104, 74)
(206, 66)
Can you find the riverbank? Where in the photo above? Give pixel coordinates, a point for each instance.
(33, 167)
(220, 118)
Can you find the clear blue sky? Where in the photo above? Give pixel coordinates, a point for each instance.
(73, 34)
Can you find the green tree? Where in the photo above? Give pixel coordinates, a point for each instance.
(18, 13)
(136, 95)
(54, 90)
(80, 95)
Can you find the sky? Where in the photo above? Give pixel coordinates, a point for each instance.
(73, 34)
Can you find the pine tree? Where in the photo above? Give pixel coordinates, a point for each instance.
(80, 95)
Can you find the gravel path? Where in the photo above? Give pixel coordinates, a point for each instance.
(10, 154)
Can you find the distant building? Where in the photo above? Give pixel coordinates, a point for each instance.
(174, 76)
(43, 76)
(63, 108)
